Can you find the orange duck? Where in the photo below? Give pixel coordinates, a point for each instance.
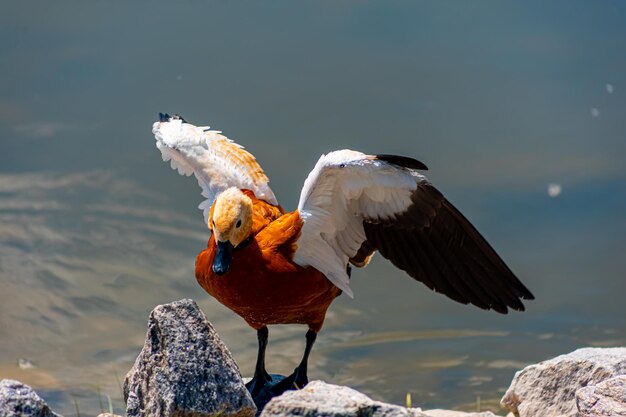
(273, 267)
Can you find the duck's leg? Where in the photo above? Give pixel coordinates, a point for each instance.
(298, 379)
(261, 377)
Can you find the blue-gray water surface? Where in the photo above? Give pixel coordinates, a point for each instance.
(518, 109)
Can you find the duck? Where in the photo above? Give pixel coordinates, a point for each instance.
(270, 266)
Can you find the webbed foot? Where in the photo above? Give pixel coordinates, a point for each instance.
(258, 383)
(263, 390)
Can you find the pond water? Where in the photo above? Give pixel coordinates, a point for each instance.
(519, 110)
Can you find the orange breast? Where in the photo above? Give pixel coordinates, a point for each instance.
(263, 285)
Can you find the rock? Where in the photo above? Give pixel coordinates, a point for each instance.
(548, 388)
(17, 399)
(608, 398)
(184, 369)
(321, 399)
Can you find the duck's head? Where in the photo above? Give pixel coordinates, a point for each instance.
(231, 223)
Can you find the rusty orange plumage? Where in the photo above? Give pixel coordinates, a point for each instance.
(263, 285)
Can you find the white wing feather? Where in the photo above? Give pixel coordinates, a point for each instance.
(216, 161)
(344, 189)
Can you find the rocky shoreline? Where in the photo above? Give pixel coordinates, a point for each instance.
(184, 369)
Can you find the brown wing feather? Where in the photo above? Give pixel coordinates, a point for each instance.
(435, 244)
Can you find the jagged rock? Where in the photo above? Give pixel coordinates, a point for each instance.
(184, 369)
(548, 388)
(17, 399)
(608, 398)
(321, 399)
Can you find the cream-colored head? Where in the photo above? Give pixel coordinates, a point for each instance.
(232, 217)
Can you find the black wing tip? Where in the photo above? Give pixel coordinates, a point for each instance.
(499, 309)
(403, 161)
(506, 308)
(165, 117)
(514, 304)
(517, 306)
(524, 293)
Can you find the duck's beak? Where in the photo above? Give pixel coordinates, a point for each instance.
(223, 256)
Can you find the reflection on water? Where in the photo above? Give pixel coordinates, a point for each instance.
(518, 110)
(73, 267)
(392, 337)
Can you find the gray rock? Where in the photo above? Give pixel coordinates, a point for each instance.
(17, 399)
(184, 369)
(321, 399)
(608, 398)
(548, 388)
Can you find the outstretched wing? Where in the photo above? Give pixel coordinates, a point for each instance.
(354, 204)
(216, 161)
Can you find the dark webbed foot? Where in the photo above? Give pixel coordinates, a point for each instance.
(257, 384)
(263, 387)
(297, 380)
(263, 390)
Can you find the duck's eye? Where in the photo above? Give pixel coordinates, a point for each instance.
(238, 225)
